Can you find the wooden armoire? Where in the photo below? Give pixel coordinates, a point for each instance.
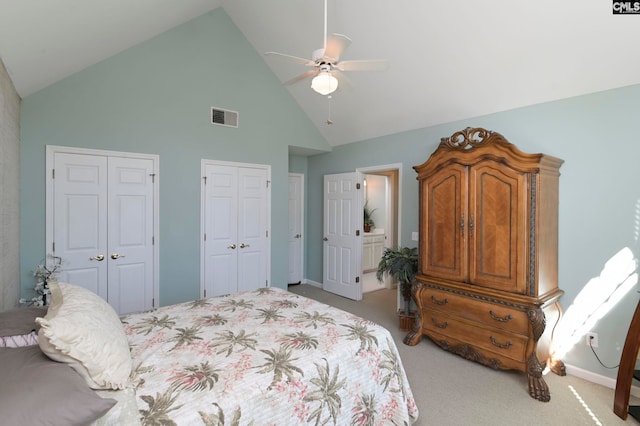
(487, 284)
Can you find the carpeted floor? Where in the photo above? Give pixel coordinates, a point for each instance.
(450, 390)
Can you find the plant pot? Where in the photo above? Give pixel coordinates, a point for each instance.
(367, 227)
(407, 321)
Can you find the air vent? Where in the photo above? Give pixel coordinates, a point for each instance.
(223, 117)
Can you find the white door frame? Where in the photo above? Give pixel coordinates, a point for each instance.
(51, 151)
(300, 214)
(398, 219)
(203, 166)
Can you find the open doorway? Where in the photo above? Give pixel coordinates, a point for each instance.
(381, 197)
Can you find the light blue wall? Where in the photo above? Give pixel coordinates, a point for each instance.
(597, 136)
(155, 98)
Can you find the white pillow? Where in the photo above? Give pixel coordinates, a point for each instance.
(82, 330)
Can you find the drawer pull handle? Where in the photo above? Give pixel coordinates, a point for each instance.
(500, 345)
(501, 319)
(439, 325)
(439, 302)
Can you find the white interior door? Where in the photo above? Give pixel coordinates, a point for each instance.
(235, 225)
(130, 234)
(101, 222)
(342, 234)
(296, 223)
(79, 225)
(220, 230)
(252, 228)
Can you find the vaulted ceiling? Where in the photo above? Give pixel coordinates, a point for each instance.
(449, 60)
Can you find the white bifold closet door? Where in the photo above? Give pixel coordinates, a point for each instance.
(235, 221)
(102, 224)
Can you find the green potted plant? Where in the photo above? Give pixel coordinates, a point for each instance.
(368, 217)
(402, 264)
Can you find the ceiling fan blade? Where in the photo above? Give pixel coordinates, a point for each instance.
(296, 59)
(363, 65)
(300, 77)
(336, 44)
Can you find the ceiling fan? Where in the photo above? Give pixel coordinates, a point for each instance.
(327, 66)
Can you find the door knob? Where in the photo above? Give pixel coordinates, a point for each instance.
(99, 258)
(325, 239)
(243, 245)
(232, 246)
(115, 256)
(298, 236)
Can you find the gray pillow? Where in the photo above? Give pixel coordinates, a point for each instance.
(38, 391)
(20, 321)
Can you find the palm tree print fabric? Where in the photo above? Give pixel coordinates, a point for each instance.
(266, 357)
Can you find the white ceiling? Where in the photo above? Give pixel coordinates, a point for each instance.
(449, 60)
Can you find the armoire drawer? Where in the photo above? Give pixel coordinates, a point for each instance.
(509, 345)
(492, 314)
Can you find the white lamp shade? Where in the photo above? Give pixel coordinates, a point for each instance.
(324, 83)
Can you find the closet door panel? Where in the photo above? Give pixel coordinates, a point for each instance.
(80, 220)
(252, 228)
(236, 248)
(130, 251)
(103, 223)
(221, 251)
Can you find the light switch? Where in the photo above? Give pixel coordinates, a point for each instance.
(414, 236)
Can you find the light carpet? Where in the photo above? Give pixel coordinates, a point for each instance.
(450, 390)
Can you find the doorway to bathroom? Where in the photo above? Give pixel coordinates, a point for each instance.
(381, 200)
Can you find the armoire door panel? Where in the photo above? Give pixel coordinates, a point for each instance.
(445, 197)
(497, 227)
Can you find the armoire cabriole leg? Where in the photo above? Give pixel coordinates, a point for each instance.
(538, 388)
(415, 335)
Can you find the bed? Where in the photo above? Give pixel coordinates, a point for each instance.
(266, 357)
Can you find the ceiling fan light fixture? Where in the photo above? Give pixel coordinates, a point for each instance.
(324, 83)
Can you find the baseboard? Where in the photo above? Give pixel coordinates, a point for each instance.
(311, 282)
(597, 378)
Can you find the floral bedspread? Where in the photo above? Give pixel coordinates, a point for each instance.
(266, 357)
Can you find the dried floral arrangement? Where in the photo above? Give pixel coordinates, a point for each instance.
(43, 275)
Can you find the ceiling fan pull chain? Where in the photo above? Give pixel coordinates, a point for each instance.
(329, 121)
